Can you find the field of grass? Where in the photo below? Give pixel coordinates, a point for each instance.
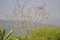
(43, 33)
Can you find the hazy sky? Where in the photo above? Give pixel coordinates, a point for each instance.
(52, 6)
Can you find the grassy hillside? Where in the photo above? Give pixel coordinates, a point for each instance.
(42, 33)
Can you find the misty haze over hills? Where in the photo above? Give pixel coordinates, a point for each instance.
(7, 24)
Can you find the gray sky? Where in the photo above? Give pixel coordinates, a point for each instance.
(52, 6)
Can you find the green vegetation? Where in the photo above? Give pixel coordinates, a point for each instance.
(14, 38)
(2, 34)
(43, 33)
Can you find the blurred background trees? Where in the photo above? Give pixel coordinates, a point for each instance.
(24, 19)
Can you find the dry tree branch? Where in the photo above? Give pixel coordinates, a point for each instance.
(24, 21)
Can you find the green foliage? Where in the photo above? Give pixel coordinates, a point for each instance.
(2, 34)
(7, 36)
(44, 33)
(13, 38)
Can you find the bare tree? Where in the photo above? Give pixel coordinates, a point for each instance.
(25, 19)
